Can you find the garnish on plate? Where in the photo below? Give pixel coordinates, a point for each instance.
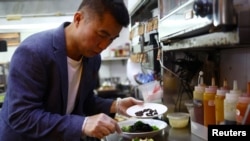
(139, 126)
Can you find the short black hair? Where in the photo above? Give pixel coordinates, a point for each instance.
(116, 7)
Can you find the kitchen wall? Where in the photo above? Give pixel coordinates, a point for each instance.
(37, 7)
(29, 16)
(235, 65)
(28, 26)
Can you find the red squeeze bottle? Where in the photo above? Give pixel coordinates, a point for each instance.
(198, 100)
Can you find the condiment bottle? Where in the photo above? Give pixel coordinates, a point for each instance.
(230, 102)
(219, 105)
(241, 107)
(198, 100)
(209, 105)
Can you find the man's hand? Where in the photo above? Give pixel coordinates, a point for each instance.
(125, 103)
(100, 125)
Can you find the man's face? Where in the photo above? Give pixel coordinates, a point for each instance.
(94, 35)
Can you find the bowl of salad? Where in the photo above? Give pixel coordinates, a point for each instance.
(141, 128)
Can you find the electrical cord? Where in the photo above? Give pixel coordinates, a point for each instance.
(159, 57)
(183, 87)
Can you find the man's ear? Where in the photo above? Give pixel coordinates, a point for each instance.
(78, 17)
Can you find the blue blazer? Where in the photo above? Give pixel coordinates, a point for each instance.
(36, 99)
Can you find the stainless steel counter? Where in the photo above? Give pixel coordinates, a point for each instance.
(169, 134)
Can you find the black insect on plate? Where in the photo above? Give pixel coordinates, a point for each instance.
(148, 112)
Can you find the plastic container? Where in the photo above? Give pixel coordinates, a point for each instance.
(178, 119)
(196, 128)
(198, 100)
(230, 102)
(151, 92)
(241, 107)
(198, 104)
(209, 106)
(230, 108)
(219, 106)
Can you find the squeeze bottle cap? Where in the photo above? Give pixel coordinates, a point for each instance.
(199, 88)
(212, 88)
(221, 92)
(233, 96)
(235, 89)
(225, 85)
(200, 79)
(244, 99)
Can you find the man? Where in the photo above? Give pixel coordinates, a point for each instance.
(52, 76)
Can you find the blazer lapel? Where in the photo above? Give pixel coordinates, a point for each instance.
(59, 45)
(63, 70)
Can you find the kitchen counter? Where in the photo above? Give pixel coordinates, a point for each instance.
(169, 134)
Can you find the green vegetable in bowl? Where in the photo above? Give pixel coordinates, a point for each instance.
(139, 139)
(125, 128)
(155, 128)
(139, 126)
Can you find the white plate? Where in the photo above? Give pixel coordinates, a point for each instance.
(152, 122)
(160, 108)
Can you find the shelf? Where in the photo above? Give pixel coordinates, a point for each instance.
(143, 11)
(212, 40)
(137, 4)
(114, 58)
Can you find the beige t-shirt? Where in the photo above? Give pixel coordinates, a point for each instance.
(74, 76)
